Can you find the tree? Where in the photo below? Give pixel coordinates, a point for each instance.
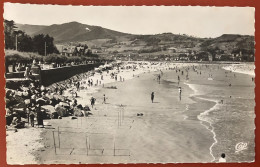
(25, 43)
(54, 58)
(39, 42)
(9, 31)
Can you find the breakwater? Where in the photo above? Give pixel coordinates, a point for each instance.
(53, 75)
(50, 76)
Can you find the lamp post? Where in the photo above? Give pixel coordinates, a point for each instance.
(16, 42)
(45, 48)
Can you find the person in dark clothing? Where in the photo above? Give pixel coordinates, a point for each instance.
(92, 101)
(32, 118)
(39, 115)
(104, 99)
(78, 85)
(152, 96)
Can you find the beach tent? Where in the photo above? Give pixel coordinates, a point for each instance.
(61, 111)
(50, 112)
(40, 101)
(63, 104)
(96, 69)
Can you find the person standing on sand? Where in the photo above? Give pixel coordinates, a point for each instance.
(32, 118)
(78, 85)
(92, 101)
(104, 99)
(180, 90)
(39, 116)
(159, 78)
(222, 158)
(152, 96)
(27, 73)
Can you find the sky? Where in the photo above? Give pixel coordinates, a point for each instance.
(196, 21)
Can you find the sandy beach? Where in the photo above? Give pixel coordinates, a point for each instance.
(170, 130)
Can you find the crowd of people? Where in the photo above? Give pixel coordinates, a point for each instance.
(32, 101)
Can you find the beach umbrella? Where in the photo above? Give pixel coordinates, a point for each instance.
(49, 108)
(63, 104)
(25, 88)
(27, 101)
(58, 97)
(25, 93)
(61, 111)
(40, 101)
(19, 93)
(50, 111)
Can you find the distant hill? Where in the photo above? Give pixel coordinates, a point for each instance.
(109, 42)
(30, 29)
(230, 42)
(71, 32)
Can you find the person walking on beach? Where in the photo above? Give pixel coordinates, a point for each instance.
(27, 73)
(78, 85)
(39, 116)
(104, 99)
(92, 101)
(180, 90)
(152, 96)
(32, 116)
(222, 158)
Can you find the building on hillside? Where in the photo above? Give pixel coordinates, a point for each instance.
(68, 51)
(183, 57)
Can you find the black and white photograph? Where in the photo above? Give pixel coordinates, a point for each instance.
(129, 84)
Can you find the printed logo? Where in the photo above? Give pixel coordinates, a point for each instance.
(240, 146)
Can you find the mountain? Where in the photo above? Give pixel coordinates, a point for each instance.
(231, 42)
(71, 32)
(109, 42)
(30, 29)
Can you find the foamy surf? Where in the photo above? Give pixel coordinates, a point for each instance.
(241, 68)
(203, 116)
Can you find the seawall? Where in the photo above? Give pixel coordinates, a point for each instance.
(50, 76)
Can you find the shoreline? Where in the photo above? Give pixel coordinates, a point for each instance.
(200, 117)
(240, 68)
(207, 117)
